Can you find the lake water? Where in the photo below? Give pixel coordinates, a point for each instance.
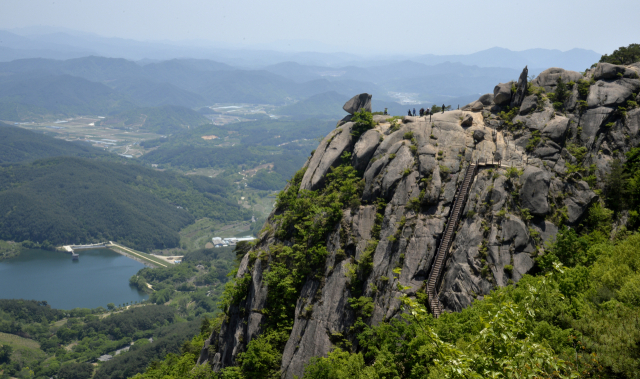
(99, 277)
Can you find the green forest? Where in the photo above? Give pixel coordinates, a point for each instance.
(67, 200)
(36, 94)
(19, 145)
(42, 333)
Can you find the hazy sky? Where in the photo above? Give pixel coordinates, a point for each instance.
(412, 26)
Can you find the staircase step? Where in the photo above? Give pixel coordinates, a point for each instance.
(447, 239)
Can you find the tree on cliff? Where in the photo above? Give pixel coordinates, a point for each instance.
(624, 55)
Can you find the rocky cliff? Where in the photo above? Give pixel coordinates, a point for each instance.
(548, 145)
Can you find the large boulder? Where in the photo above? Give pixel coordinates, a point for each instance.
(529, 104)
(522, 263)
(548, 150)
(478, 135)
(486, 99)
(467, 120)
(476, 106)
(556, 129)
(358, 102)
(535, 187)
(612, 94)
(592, 120)
(502, 93)
(612, 71)
(521, 89)
(578, 202)
(547, 231)
(549, 78)
(515, 231)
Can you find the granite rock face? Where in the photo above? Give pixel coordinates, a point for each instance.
(327, 155)
(486, 99)
(606, 71)
(610, 94)
(548, 78)
(556, 129)
(528, 104)
(512, 210)
(535, 187)
(364, 149)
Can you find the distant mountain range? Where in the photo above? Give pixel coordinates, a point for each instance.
(65, 73)
(536, 59)
(58, 43)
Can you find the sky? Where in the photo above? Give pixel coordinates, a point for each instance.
(372, 26)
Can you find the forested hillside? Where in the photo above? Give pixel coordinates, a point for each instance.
(72, 200)
(18, 145)
(59, 95)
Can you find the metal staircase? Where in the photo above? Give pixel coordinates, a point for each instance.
(440, 259)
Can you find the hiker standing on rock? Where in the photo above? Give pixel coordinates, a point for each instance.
(414, 111)
(428, 113)
(409, 113)
(442, 108)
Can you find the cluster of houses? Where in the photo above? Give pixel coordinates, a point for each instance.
(232, 241)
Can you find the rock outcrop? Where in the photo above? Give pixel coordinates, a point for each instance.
(610, 94)
(548, 78)
(502, 93)
(362, 101)
(415, 167)
(521, 89)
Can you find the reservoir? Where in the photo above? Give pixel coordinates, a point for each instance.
(99, 277)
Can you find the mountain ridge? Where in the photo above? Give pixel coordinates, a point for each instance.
(393, 184)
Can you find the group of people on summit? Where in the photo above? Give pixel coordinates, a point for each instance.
(424, 112)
